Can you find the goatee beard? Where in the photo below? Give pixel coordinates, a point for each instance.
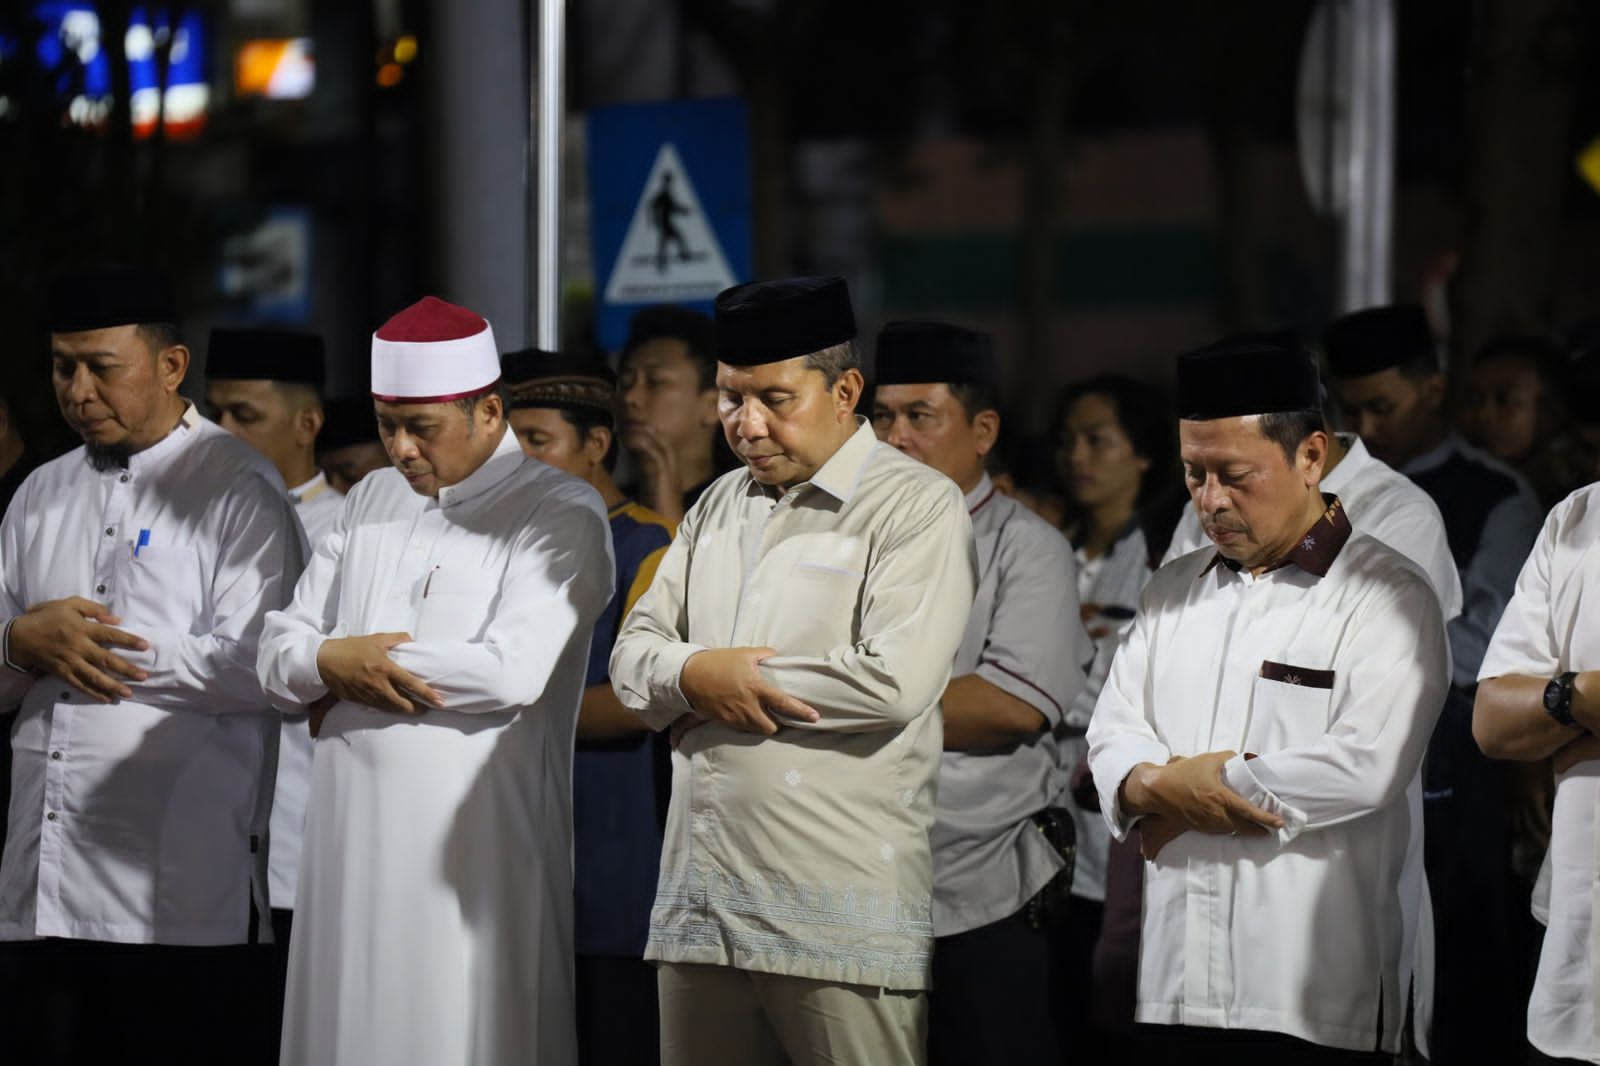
(105, 457)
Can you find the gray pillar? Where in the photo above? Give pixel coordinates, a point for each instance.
(476, 156)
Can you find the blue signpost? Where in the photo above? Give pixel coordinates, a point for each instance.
(669, 194)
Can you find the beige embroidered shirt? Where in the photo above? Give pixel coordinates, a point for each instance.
(806, 852)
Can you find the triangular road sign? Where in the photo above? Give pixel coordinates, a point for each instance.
(670, 254)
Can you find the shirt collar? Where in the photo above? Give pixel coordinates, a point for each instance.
(162, 449)
(840, 476)
(1355, 458)
(502, 462)
(310, 490)
(1317, 549)
(980, 496)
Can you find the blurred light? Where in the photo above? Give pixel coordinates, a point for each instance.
(405, 49)
(280, 69)
(389, 75)
(1589, 164)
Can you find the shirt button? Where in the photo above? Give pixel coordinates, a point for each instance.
(56, 755)
(50, 817)
(124, 478)
(99, 588)
(110, 532)
(66, 695)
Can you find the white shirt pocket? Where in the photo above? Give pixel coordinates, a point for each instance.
(1290, 707)
(161, 588)
(456, 603)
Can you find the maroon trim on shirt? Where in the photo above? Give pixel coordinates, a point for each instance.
(1019, 677)
(980, 505)
(1296, 675)
(1317, 549)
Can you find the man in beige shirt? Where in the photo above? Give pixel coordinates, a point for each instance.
(797, 639)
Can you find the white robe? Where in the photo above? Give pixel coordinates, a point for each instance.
(433, 919)
(317, 506)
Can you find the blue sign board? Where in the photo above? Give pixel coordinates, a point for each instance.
(669, 197)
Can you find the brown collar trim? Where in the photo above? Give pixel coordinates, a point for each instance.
(1317, 549)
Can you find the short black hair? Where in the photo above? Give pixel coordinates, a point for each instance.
(586, 420)
(670, 322)
(1289, 429)
(1144, 414)
(1548, 359)
(159, 336)
(975, 397)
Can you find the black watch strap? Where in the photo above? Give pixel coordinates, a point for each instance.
(1558, 698)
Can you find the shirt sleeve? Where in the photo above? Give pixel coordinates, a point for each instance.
(260, 553)
(1526, 642)
(14, 684)
(1416, 530)
(1121, 734)
(1489, 579)
(650, 650)
(286, 663)
(1036, 648)
(915, 600)
(1390, 688)
(557, 582)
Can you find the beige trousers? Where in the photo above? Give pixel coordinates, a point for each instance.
(720, 1016)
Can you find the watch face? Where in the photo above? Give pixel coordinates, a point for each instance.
(1552, 696)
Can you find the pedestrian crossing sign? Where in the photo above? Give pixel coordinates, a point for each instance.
(670, 206)
(671, 253)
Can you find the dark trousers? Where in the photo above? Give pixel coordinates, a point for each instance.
(282, 926)
(72, 1002)
(1079, 1037)
(619, 1013)
(1185, 1045)
(991, 999)
(1480, 1002)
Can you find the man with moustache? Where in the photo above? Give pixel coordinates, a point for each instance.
(797, 640)
(1020, 665)
(438, 639)
(135, 576)
(1263, 727)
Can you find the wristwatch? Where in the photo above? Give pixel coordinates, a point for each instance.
(1558, 698)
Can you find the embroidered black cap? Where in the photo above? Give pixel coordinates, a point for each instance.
(537, 378)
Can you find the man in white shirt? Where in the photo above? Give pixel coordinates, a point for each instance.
(135, 575)
(1020, 665)
(442, 629)
(1385, 373)
(1264, 726)
(1539, 697)
(265, 387)
(797, 638)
